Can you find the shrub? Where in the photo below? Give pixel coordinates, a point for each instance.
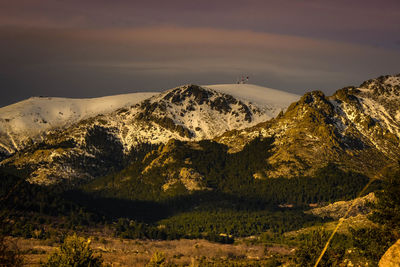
(309, 251)
(9, 254)
(75, 251)
(372, 243)
(158, 259)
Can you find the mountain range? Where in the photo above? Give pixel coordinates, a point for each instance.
(226, 163)
(57, 140)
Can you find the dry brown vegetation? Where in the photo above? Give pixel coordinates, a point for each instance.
(125, 252)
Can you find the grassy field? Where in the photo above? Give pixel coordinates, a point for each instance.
(126, 252)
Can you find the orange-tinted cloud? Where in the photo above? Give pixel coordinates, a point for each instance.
(179, 51)
(99, 47)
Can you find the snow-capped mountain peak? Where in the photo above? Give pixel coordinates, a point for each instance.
(205, 112)
(187, 113)
(32, 117)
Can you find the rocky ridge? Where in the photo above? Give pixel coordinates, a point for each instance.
(356, 128)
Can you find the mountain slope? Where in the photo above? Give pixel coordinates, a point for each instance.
(188, 112)
(31, 118)
(259, 95)
(357, 128)
(353, 131)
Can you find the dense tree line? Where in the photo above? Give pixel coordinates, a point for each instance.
(133, 203)
(26, 208)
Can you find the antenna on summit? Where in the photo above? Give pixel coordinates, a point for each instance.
(243, 80)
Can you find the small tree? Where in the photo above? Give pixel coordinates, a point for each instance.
(76, 252)
(157, 260)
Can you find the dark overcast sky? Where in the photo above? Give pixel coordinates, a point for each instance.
(93, 48)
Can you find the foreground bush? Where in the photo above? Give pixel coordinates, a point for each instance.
(312, 245)
(9, 254)
(157, 260)
(76, 252)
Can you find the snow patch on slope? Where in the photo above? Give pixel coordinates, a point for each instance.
(38, 114)
(257, 94)
(209, 112)
(393, 81)
(379, 113)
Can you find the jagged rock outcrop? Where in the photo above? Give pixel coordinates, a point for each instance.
(339, 209)
(188, 177)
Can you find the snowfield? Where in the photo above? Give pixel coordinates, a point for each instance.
(258, 95)
(37, 114)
